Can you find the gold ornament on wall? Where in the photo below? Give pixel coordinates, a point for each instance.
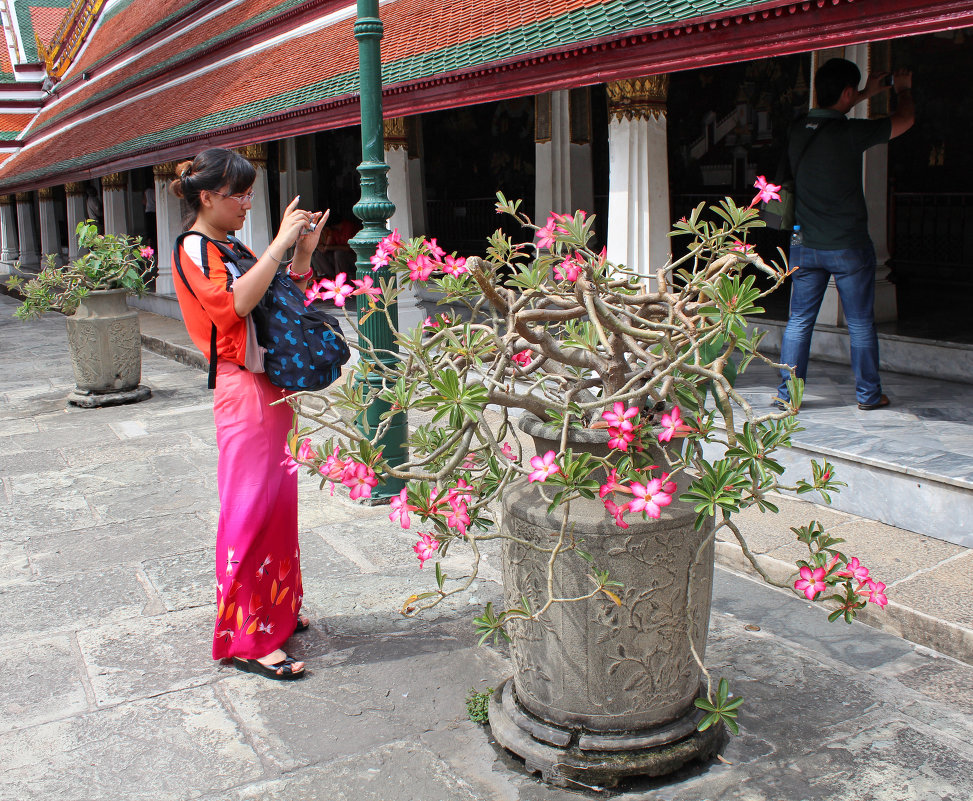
(638, 98)
(46, 193)
(394, 131)
(255, 154)
(114, 181)
(165, 171)
(74, 189)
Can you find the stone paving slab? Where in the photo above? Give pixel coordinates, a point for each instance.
(395, 771)
(948, 583)
(49, 682)
(69, 601)
(147, 656)
(117, 544)
(168, 748)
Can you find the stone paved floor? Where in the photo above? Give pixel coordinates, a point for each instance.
(106, 536)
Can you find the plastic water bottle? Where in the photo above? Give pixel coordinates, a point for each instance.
(796, 237)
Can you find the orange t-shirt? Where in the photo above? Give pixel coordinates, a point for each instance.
(211, 279)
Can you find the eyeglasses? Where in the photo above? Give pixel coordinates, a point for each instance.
(241, 199)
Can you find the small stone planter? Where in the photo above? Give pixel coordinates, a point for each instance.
(106, 351)
(600, 691)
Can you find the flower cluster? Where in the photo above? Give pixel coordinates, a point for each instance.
(423, 257)
(816, 580)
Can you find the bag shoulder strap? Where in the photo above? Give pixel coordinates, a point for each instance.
(211, 378)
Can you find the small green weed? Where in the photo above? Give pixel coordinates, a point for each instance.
(477, 703)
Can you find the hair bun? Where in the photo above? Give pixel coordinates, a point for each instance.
(184, 169)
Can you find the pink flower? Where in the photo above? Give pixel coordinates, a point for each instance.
(458, 517)
(562, 219)
(425, 548)
(765, 191)
(359, 478)
(146, 252)
(617, 511)
(380, 258)
(304, 453)
(544, 467)
(651, 497)
(811, 581)
(673, 425)
(337, 289)
(545, 235)
(420, 268)
(611, 485)
(367, 287)
(400, 510)
(333, 467)
(462, 493)
(455, 265)
(523, 357)
(619, 414)
(506, 450)
(876, 592)
(742, 247)
(620, 438)
(434, 250)
(441, 319)
(569, 270)
(854, 569)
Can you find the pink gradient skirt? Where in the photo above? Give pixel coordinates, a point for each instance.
(258, 561)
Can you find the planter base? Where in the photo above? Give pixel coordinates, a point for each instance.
(569, 758)
(92, 400)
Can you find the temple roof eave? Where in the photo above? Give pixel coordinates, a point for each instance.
(732, 37)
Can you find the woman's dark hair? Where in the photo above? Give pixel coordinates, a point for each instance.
(216, 169)
(833, 78)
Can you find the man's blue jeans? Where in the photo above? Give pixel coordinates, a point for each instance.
(854, 274)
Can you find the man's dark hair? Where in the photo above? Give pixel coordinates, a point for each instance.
(832, 78)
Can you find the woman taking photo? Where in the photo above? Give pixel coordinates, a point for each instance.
(258, 570)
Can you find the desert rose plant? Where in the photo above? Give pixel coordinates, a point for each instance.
(552, 329)
(110, 261)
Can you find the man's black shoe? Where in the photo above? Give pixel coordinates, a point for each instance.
(882, 403)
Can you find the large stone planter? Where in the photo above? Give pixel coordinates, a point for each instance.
(601, 691)
(106, 350)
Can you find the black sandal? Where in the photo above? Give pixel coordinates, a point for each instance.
(301, 626)
(285, 666)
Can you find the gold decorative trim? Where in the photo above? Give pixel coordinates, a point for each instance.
(74, 190)
(256, 154)
(638, 98)
(25, 197)
(7, 200)
(114, 181)
(542, 118)
(46, 193)
(394, 130)
(165, 171)
(67, 40)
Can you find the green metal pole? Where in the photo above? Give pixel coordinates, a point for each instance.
(374, 209)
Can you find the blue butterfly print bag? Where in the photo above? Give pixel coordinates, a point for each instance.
(304, 346)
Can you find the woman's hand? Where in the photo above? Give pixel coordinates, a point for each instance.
(294, 221)
(306, 243)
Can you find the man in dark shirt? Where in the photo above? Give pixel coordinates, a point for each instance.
(826, 151)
